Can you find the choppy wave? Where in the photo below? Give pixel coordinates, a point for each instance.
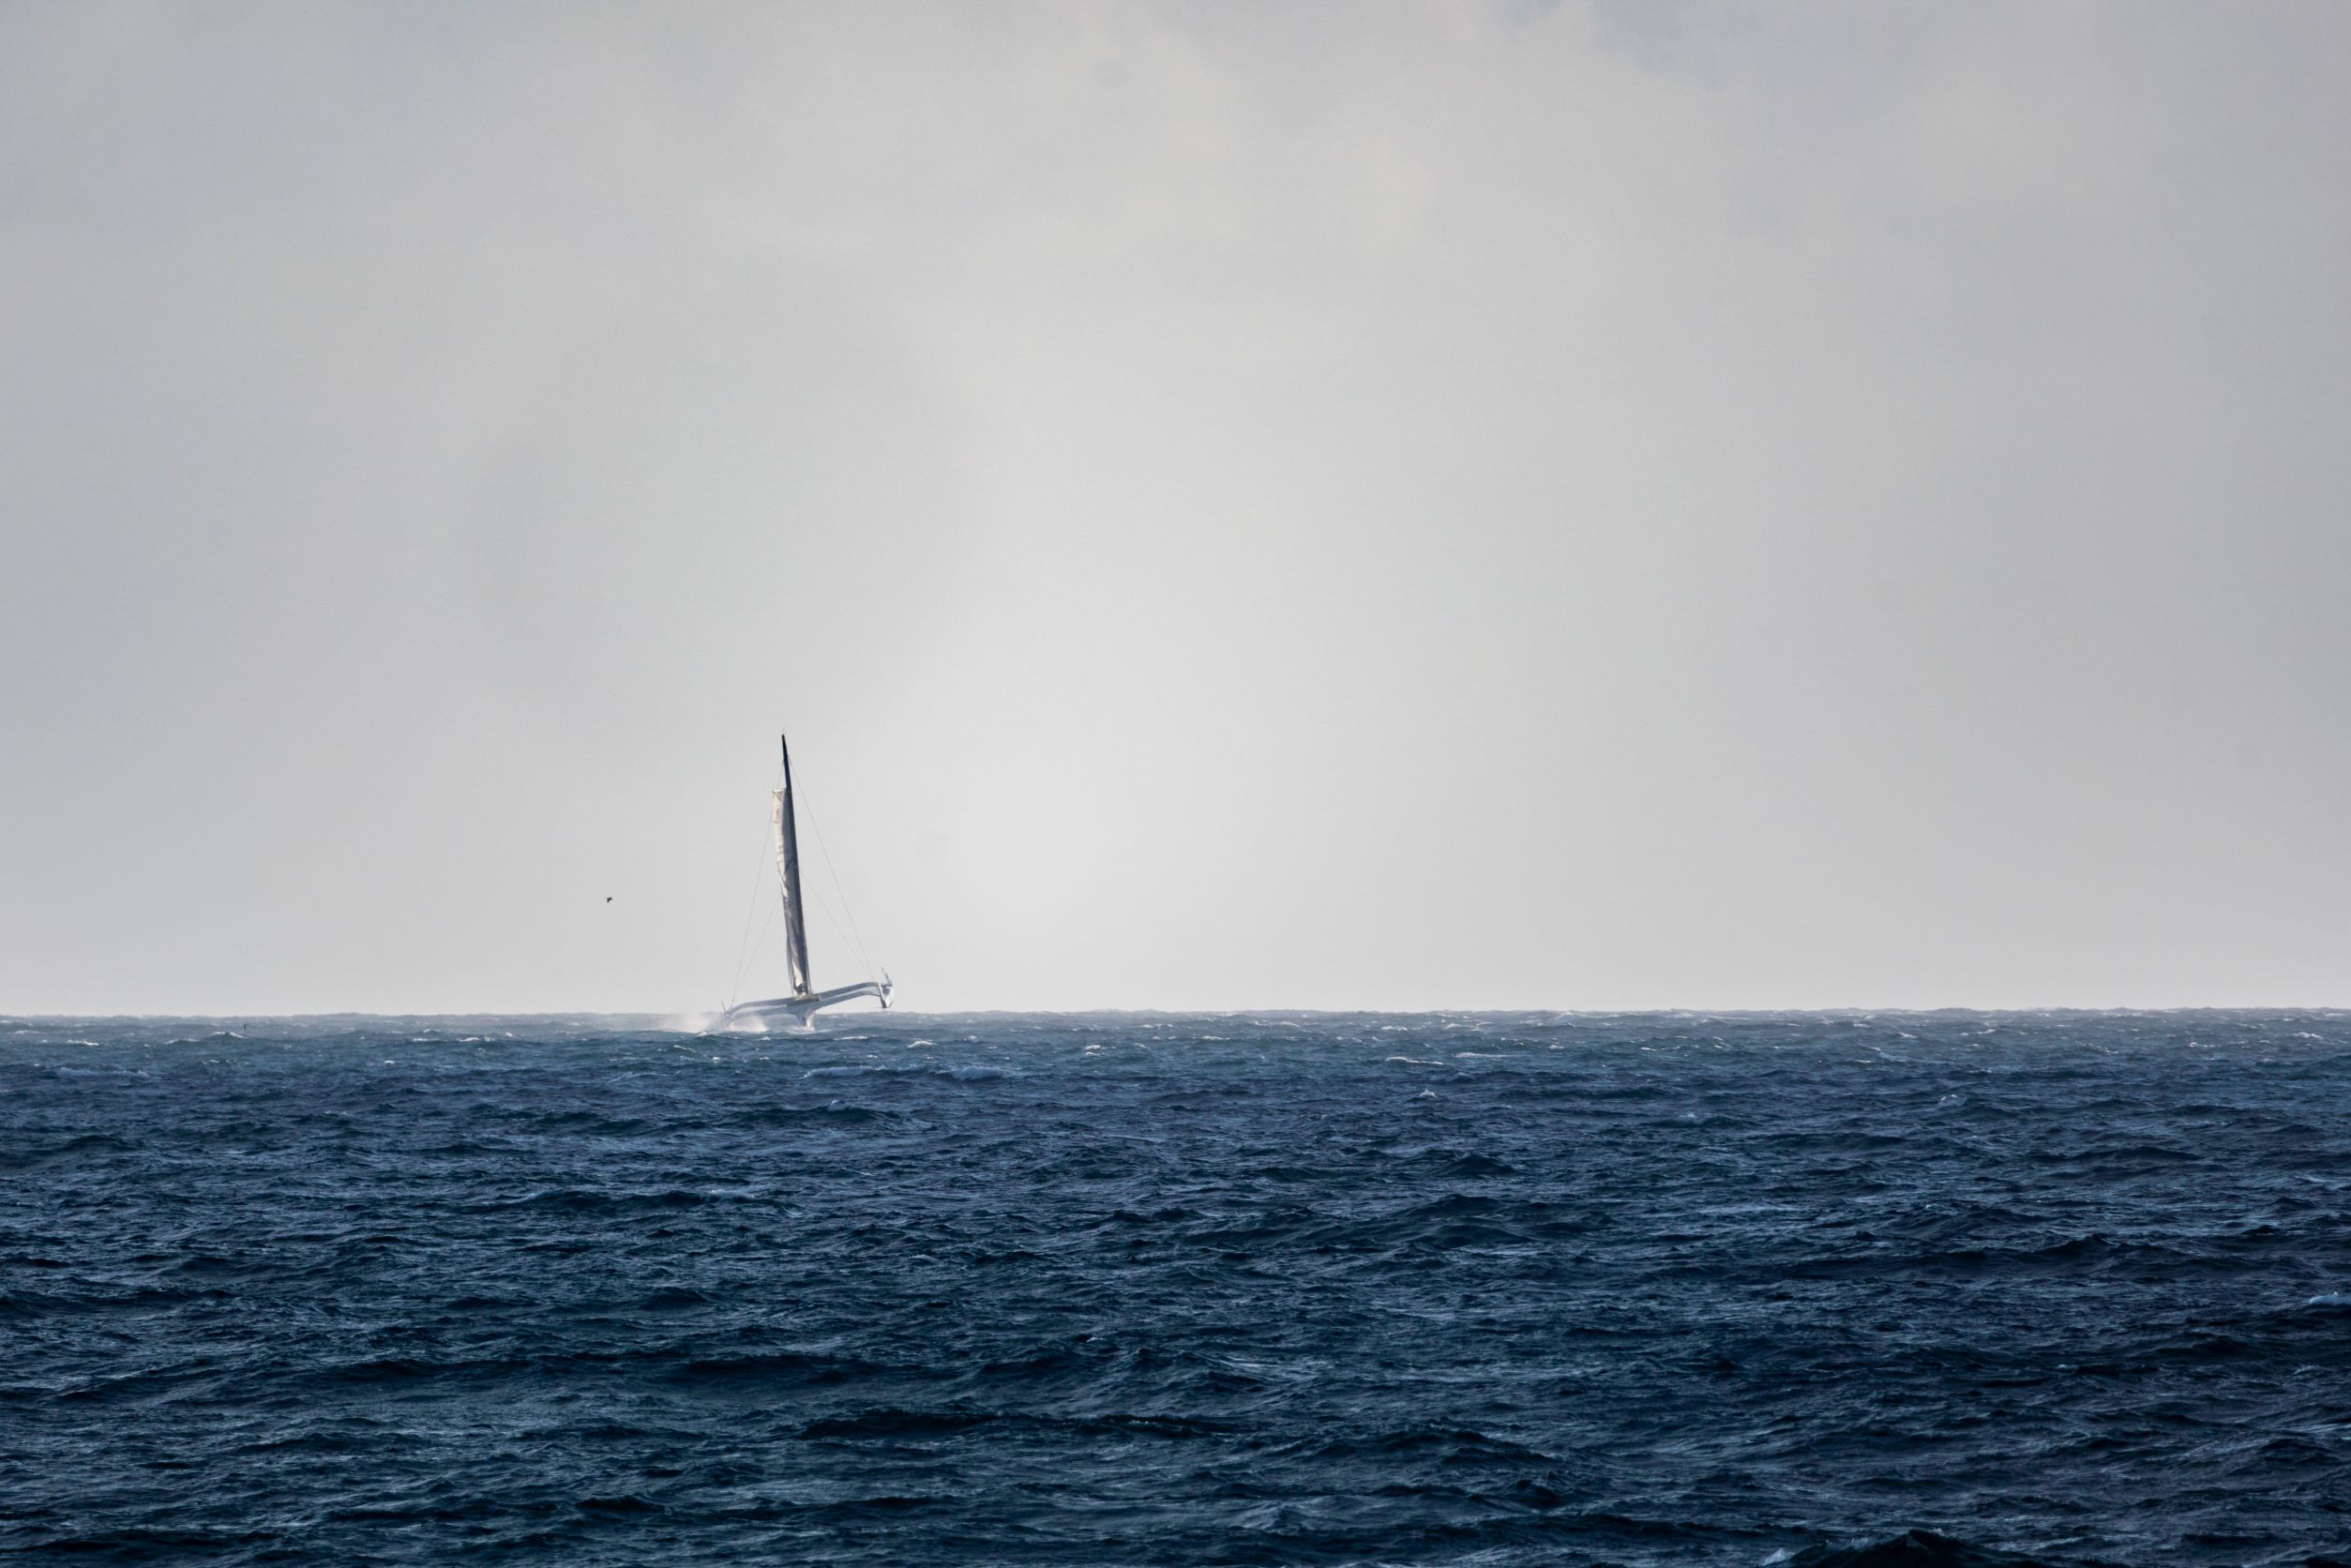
(1936, 1290)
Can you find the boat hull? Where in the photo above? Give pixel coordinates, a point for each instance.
(798, 1012)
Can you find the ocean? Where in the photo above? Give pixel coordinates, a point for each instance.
(1492, 1290)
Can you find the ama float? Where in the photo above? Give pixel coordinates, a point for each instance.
(799, 1009)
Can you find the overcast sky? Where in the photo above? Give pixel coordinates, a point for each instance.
(1390, 506)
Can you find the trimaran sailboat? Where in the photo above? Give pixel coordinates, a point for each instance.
(802, 1004)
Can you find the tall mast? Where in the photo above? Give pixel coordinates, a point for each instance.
(788, 864)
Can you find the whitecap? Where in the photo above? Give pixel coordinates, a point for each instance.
(2332, 1298)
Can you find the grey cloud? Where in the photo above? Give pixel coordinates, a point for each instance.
(1274, 506)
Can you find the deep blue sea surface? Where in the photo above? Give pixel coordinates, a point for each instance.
(1139, 1288)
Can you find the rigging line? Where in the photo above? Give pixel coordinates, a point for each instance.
(824, 907)
(843, 934)
(758, 877)
(763, 929)
(743, 948)
(853, 934)
(856, 937)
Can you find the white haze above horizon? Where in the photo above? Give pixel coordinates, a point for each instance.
(1348, 506)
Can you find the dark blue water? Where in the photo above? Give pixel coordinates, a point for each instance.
(1145, 1289)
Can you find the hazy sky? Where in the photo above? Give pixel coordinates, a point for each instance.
(1350, 504)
